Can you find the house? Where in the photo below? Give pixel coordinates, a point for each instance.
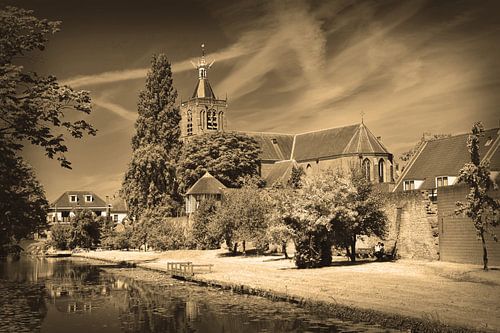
(207, 187)
(64, 207)
(438, 162)
(316, 151)
(118, 209)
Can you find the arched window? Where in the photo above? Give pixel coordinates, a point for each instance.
(212, 119)
(189, 122)
(202, 119)
(221, 120)
(381, 170)
(367, 169)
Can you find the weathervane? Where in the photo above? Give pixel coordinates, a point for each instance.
(201, 65)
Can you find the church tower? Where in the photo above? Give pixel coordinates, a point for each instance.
(203, 112)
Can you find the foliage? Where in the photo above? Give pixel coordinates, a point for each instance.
(85, 229)
(32, 107)
(23, 206)
(202, 235)
(479, 207)
(241, 216)
(60, 236)
(117, 240)
(295, 180)
(229, 157)
(150, 179)
(278, 232)
(369, 220)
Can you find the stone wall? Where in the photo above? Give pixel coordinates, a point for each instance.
(413, 224)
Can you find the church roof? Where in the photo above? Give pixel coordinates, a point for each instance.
(203, 90)
(207, 184)
(353, 139)
(280, 172)
(445, 157)
(274, 146)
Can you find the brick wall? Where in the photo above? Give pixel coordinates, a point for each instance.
(458, 241)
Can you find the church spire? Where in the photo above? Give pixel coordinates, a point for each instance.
(203, 88)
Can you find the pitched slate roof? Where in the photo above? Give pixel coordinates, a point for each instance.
(203, 90)
(280, 172)
(207, 184)
(274, 146)
(63, 200)
(445, 157)
(118, 205)
(353, 139)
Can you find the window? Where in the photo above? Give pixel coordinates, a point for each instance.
(89, 198)
(433, 195)
(381, 171)
(73, 198)
(189, 122)
(212, 119)
(408, 185)
(115, 217)
(366, 166)
(441, 181)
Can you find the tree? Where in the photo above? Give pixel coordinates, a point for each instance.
(202, 235)
(240, 217)
(32, 107)
(479, 207)
(60, 236)
(230, 157)
(23, 206)
(369, 219)
(309, 212)
(85, 229)
(150, 179)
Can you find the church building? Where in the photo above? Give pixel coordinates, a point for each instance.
(335, 148)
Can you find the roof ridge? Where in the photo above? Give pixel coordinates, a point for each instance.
(292, 157)
(408, 167)
(257, 132)
(348, 145)
(494, 146)
(328, 128)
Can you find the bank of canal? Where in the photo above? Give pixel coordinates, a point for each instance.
(79, 295)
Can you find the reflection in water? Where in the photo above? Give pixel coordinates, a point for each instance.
(71, 295)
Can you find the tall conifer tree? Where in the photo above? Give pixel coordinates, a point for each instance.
(150, 179)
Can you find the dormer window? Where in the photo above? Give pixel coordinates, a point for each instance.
(441, 181)
(89, 198)
(73, 198)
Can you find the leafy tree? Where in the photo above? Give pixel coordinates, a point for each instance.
(150, 179)
(23, 206)
(479, 207)
(32, 107)
(309, 212)
(85, 229)
(296, 177)
(60, 236)
(202, 235)
(230, 157)
(369, 219)
(240, 217)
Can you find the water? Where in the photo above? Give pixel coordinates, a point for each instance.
(75, 295)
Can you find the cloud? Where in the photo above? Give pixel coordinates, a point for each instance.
(116, 109)
(231, 52)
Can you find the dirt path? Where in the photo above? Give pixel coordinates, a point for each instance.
(452, 294)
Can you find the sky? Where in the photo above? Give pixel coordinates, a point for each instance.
(286, 66)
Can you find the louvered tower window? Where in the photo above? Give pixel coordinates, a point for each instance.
(212, 119)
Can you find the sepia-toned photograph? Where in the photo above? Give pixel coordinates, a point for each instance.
(249, 166)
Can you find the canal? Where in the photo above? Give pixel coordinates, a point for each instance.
(76, 295)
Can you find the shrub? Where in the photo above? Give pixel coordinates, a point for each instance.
(203, 237)
(60, 236)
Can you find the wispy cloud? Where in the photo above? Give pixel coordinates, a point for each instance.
(231, 52)
(116, 109)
